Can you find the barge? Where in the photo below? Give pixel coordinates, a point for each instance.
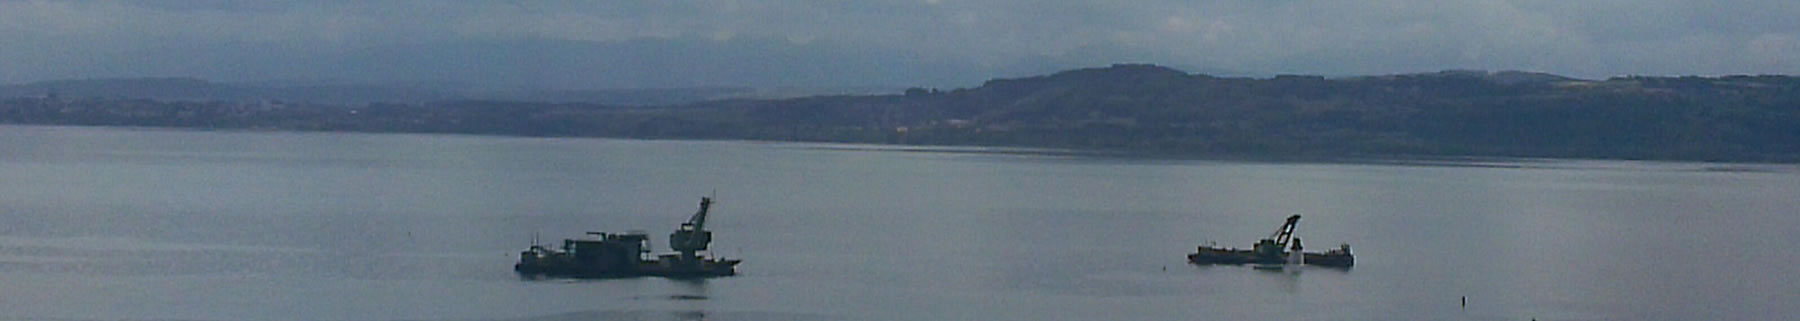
(1279, 248)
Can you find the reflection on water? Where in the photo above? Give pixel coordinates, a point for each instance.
(677, 315)
(690, 289)
(1286, 278)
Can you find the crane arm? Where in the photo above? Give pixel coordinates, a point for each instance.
(699, 218)
(1286, 231)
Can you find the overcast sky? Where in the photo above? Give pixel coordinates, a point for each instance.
(879, 42)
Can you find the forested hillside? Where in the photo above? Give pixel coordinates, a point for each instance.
(1124, 108)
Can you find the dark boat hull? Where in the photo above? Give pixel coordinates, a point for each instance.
(1209, 256)
(720, 268)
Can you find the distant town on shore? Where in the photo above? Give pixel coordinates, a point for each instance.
(1135, 109)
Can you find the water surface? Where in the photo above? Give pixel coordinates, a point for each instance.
(127, 224)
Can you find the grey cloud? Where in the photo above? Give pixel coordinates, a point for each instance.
(983, 38)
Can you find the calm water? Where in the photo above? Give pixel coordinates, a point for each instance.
(117, 224)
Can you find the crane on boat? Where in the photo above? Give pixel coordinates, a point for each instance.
(1277, 243)
(1286, 231)
(692, 237)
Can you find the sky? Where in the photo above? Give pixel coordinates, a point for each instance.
(935, 43)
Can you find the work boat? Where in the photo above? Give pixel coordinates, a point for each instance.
(604, 255)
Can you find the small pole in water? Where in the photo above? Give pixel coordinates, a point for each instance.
(1465, 302)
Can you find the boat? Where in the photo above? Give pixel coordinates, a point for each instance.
(1274, 250)
(623, 255)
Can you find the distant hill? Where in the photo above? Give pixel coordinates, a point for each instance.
(1128, 108)
(1153, 109)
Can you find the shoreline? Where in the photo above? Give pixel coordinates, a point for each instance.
(1397, 160)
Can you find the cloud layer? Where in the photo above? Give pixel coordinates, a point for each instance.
(902, 42)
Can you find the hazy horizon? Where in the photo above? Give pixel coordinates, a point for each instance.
(930, 43)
